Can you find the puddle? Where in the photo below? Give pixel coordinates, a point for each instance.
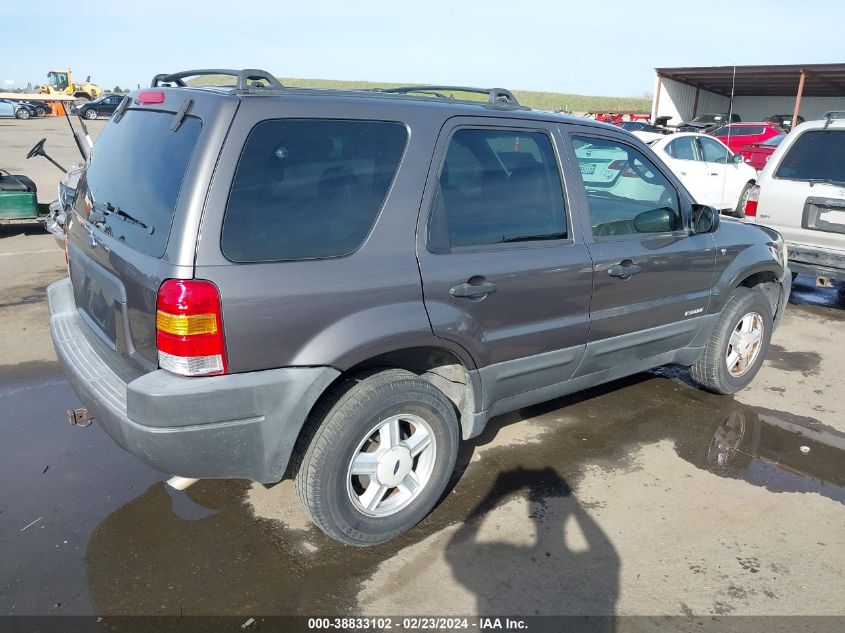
(219, 558)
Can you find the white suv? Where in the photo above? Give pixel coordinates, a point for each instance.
(801, 194)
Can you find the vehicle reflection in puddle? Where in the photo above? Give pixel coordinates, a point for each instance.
(764, 449)
(154, 556)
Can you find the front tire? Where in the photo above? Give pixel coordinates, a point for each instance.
(738, 344)
(22, 113)
(375, 456)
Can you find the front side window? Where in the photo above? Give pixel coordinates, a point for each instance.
(497, 187)
(683, 148)
(816, 154)
(626, 193)
(309, 188)
(713, 151)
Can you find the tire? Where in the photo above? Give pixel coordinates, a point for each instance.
(738, 212)
(22, 113)
(90, 114)
(711, 371)
(338, 430)
(40, 111)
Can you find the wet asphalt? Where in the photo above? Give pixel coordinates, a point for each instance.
(87, 529)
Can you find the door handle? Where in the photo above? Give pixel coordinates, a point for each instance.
(473, 291)
(714, 173)
(624, 269)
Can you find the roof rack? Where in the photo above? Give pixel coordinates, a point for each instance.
(243, 77)
(833, 115)
(496, 96)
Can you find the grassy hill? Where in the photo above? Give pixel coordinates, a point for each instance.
(537, 100)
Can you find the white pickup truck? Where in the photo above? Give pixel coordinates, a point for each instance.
(801, 194)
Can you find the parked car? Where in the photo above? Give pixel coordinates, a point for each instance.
(801, 193)
(758, 154)
(784, 120)
(713, 174)
(645, 131)
(37, 108)
(256, 289)
(708, 122)
(738, 135)
(16, 109)
(102, 107)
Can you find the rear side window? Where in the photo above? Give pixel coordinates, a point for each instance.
(740, 130)
(309, 188)
(135, 175)
(683, 148)
(497, 187)
(815, 154)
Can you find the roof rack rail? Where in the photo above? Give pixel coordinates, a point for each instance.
(498, 96)
(833, 115)
(243, 77)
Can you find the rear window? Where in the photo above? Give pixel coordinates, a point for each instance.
(815, 154)
(135, 172)
(309, 188)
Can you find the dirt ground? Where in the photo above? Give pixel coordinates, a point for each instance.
(611, 501)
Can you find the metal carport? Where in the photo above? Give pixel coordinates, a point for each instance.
(757, 91)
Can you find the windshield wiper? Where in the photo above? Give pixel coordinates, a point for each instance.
(103, 209)
(827, 181)
(533, 238)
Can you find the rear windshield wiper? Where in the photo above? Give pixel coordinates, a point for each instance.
(102, 209)
(533, 238)
(827, 181)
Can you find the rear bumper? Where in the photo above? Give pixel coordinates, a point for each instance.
(808, 260)
(235, 426)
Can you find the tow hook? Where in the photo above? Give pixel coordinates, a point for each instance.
(79, 417)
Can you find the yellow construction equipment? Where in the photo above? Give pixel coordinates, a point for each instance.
(60, 82)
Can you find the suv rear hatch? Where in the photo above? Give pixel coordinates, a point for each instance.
(803, 196)
(138, 208)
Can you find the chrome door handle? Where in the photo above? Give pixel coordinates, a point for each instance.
(624, 269)
(473, 291)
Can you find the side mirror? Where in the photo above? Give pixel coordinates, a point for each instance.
(738, 159)
(704, 219)
(660, 220)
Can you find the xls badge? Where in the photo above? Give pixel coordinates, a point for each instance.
(691, 312)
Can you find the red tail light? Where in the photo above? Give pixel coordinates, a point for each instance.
(750, 207)
(189, 328)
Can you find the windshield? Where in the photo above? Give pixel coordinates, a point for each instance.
(134, 177)
(709, 118)
(815, 155)
(57, 80)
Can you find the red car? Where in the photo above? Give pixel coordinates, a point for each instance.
(757, 154)
(738, 135)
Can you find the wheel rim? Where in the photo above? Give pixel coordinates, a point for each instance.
(726, 440)
(392, 465)
(90, 114)
(744, 344)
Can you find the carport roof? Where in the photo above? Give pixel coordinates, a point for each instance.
(820, 80)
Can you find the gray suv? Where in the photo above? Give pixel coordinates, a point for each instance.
(340, 286)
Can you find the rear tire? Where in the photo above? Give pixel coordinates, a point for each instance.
(375, 415)
(732, 356)
(743, 196)
(40, 111)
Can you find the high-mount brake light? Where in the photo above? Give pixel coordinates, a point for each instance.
(189, 328)
(148, 97)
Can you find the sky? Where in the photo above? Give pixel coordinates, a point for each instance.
(606, 48)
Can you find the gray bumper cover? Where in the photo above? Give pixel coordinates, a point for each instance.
(234, 426)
